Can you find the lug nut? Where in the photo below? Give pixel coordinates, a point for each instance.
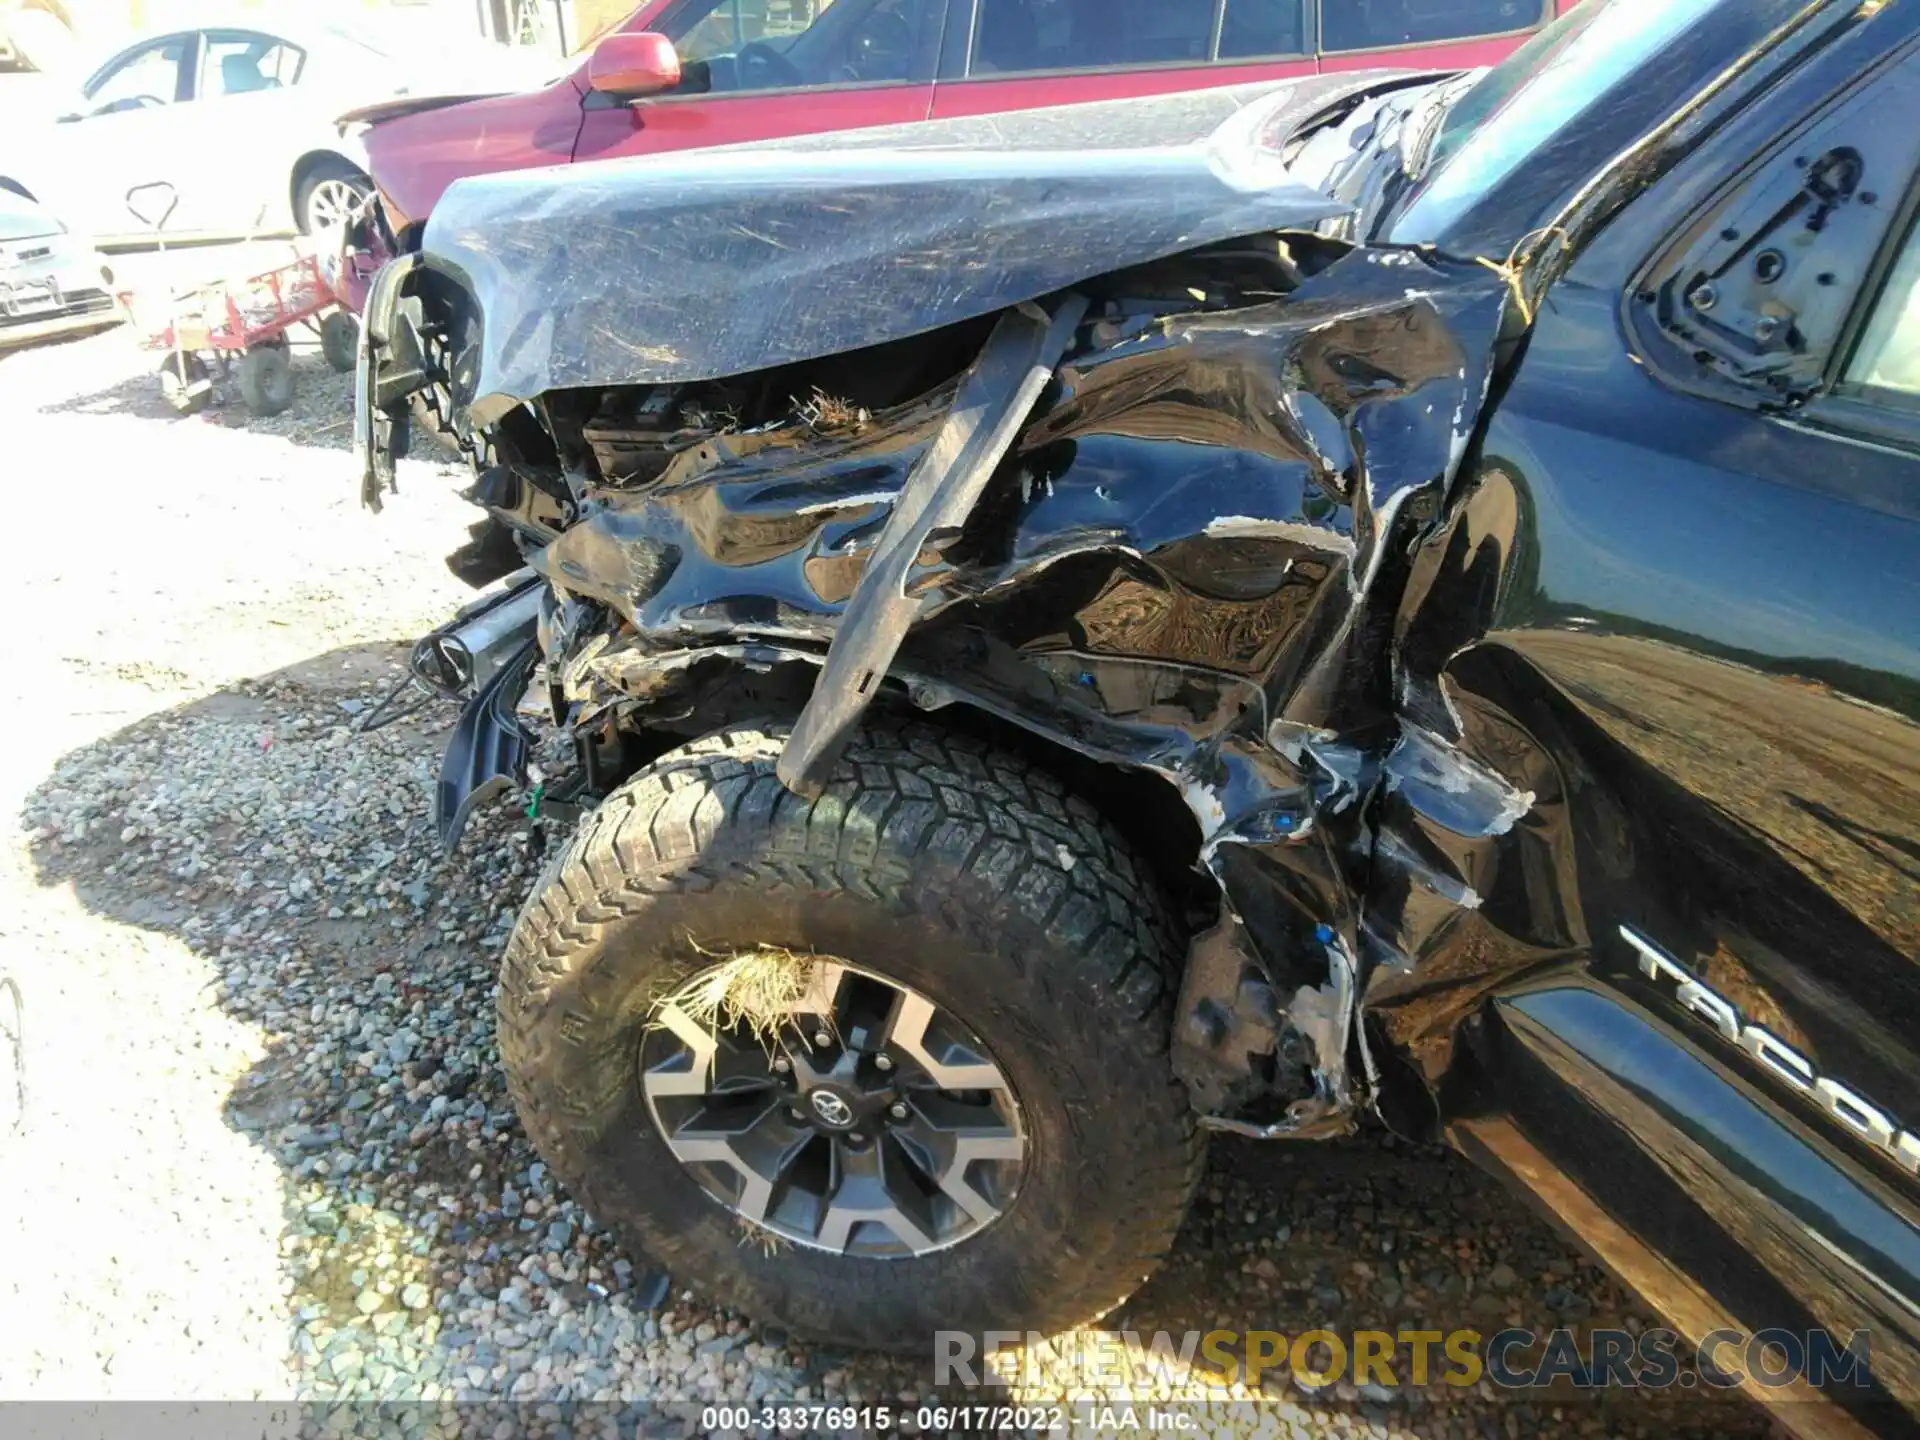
(782, 1065)
(898, 1110)
(822, 1039)
(794, 1112)
(883, 1062)
(856, 1138)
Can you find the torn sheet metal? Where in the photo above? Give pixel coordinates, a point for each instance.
(1321, 1017)
(763, 533)
(718, 262)
(1228, 1027)
(1451, 788)
(1213, 492)
(1154, 577)
(994, 402)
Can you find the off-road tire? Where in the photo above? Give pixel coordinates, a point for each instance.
(962, 871)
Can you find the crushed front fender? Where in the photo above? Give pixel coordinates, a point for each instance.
(1162, 520)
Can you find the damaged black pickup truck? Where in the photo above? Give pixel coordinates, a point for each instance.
(1236, 612)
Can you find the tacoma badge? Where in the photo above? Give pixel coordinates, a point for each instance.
(1867, 1121)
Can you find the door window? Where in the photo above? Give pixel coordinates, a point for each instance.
(1250, 29)
(1026, 37)
(730, 47)
(1347, 25)
(240, 62)
(1795, 288)
(149, 76)
(1886, 364)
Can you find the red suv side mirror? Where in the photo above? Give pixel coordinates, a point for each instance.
(628, 66)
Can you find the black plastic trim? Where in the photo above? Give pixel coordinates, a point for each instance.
(488, 750)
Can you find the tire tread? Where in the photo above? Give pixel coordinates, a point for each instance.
(913, 816)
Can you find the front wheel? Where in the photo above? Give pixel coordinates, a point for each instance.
(875, 1065)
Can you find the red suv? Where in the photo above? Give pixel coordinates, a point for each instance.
(683, 73)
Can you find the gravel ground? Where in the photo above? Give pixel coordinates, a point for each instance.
(265, 1150)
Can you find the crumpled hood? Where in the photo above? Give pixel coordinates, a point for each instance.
(714, 263)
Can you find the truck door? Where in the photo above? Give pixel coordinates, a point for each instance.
(1688, 986)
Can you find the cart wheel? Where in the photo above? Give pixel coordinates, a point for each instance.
(266, 379)
(184, 381)
(340, 340)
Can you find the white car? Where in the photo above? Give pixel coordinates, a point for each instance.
(238, 118)
(50, 278)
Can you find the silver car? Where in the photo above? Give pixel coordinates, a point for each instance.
(47, 273)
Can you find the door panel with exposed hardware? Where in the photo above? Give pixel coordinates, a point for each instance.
(1684, 997)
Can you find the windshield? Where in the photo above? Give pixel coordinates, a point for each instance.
(21, 219)
(1547, 118)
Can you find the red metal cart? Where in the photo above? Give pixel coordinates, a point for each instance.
(242, 326)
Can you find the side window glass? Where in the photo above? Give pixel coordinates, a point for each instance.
(741, 46)
(1347, 25)
(1885, 368)
(283, 63)
(145, 78)
(1756, 301)
(1025, 37)
(1250, 29)
(236, 62)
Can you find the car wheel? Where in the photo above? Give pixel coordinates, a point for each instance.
(327, 195)
(266, 379)
(185, 384)
(887, 1062)
(340, 340)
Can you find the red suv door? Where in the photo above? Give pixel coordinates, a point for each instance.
(759, 69)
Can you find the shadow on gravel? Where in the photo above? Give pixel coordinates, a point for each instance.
(320, 416)
(17, 339)
(429, 1255)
